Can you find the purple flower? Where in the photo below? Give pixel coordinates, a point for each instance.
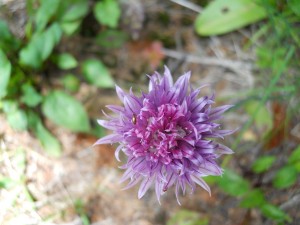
(167, 135)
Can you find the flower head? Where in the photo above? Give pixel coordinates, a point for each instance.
(167, 135)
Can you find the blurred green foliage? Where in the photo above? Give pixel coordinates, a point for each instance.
(187, 217)
(277, 45)
(221, 16)
(21, 95)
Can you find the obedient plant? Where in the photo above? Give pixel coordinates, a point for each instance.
(168, 135)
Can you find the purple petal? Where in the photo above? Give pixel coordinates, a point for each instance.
(109, 139)
(121, 94)
(117, 152)
(145, 185)
(202, 183)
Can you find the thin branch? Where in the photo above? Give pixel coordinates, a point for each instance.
(210, 61)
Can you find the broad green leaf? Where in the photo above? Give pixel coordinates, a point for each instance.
(111, 38)
(45, 12)
(30, 55)
(297, 166)
(71, 27)
(9, 106)
(66, 61)
(48, 141)
(7, 40)
(51, 38)
(97, 74)
(252, 199)
(263, 164)
(17, 120)
(5, 72)
(40, 47)
(285, 177)
(295, 156)
(186, 217)
(108, 12)
(74, 10)
(16, 117)
(65, 111)
(223, 16)
(263, 118)
(30, 96)
(71, 82)
(233, 184)
(273, 212)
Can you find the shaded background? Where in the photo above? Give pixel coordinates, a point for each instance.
(59, 61)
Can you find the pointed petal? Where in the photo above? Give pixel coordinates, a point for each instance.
(109, 139)
(117, 152)
(115, 108)
(167, 81)
(177, 192)
(145, 185)
(202, 183)
(218, 111)
(121, 94)
(222, 149)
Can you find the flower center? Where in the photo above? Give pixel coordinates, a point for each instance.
(156, 133)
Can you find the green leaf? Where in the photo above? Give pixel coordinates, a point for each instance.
(233, 184)
(48, 141)
(186, 217)
(70, 28)
(285, 177)
(295, 156)
(45, 12)
(17, 120)
(30, 96)
(274, 213)
(16, 117)
(66, 61)
(252, 199)
(7, 41)
(111, 38)
(5, 72)
(294, 5)
(263, 164)
(223, 16)
(74, 11)
(9, 106)
(108, 12)
(96, 73)
(263, 118)
(50, 39)
(40, 47)
(71, 82)
(297, 166)
(65, 111)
